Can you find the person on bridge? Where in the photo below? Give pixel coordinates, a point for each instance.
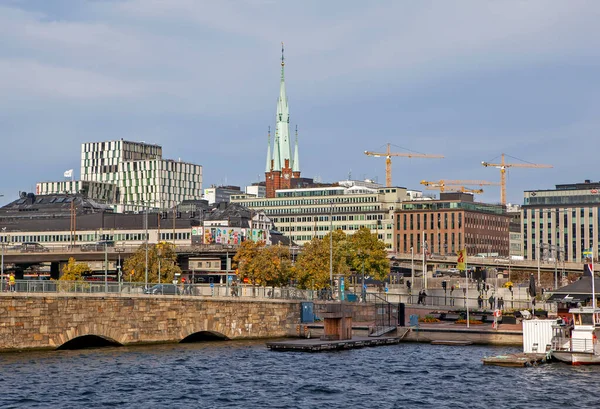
(11, 282)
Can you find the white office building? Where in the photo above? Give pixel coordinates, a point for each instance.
(220, 194)
(140, 173)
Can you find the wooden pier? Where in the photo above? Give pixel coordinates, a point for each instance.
(516, 360)
(316, 345)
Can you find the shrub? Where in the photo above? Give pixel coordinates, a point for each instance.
(471, 322)
(429, 319)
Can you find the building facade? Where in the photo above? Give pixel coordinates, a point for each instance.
(220, 194)
(514, 230)
(257, 190)
(303, 214)
(281, 167)
(99, 191)
(563, 223)
(142, 176)
(452, 223)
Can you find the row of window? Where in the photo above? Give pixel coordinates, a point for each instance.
(321, 210)
(89, 237)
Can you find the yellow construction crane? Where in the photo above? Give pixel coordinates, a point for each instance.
(502, 166)
(444, 183)
(388, 160)
(451, 188)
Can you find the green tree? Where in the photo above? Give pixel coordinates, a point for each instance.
(312, 266)
(162, 253)
(368, 249)
(73, 271)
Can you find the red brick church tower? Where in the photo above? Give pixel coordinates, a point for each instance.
(281, 168)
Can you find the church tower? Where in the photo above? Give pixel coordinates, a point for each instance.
(281, 167)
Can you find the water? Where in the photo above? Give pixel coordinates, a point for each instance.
(245, 374)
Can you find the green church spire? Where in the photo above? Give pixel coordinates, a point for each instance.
(283, 119)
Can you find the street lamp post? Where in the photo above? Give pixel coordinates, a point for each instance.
(2, 265)
(146, 242)
(119, 250)
(331, 248)
(539, 256)
(159, 255)
(424, 263)
(105, 267)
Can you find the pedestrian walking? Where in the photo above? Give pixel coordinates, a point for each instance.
(479, 301)
(491, 300)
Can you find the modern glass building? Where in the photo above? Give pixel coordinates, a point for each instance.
(562, 223)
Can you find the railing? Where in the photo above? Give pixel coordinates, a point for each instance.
(573, 345)
(122, 248)
(386, 313)
(126, 288)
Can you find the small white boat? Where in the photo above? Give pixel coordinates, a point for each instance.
(577, 344)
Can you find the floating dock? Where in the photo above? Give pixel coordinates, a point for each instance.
(316, 345)
(516, 360)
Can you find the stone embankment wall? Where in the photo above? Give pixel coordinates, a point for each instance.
(28, 321)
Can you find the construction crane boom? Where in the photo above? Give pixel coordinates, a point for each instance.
(388, 160)
(502, 166)
(451, 188)
(445, 182)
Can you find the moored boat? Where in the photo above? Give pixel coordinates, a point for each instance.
(577, 344)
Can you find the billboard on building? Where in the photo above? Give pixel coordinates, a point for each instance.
(228, 235)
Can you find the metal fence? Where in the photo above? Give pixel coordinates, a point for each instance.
(153, 289)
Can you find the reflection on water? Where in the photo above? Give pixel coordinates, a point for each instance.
(245, 374)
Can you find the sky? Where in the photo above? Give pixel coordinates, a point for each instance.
(467, 79)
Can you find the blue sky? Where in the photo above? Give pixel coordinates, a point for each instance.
(469, 79)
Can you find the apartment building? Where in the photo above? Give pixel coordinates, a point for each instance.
(449, 224)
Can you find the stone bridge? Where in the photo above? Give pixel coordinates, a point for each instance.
(67, 321)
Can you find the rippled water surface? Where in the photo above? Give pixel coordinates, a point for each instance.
(240, 374)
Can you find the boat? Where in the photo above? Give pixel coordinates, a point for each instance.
(577, 344)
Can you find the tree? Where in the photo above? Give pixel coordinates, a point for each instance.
(161, 253)
(368, 249)
(275, 265)
(245, 261)
(312, 267)
(73, 271)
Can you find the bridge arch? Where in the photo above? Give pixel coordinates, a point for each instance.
(200, 336)
(89, 336)
(89, 341)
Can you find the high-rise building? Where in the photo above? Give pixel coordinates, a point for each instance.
(142, 176)
(281, 168)
(562, 224)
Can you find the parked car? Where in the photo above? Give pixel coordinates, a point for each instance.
(453, 271)
(99, 246)
(33, 248)
(163, 289)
